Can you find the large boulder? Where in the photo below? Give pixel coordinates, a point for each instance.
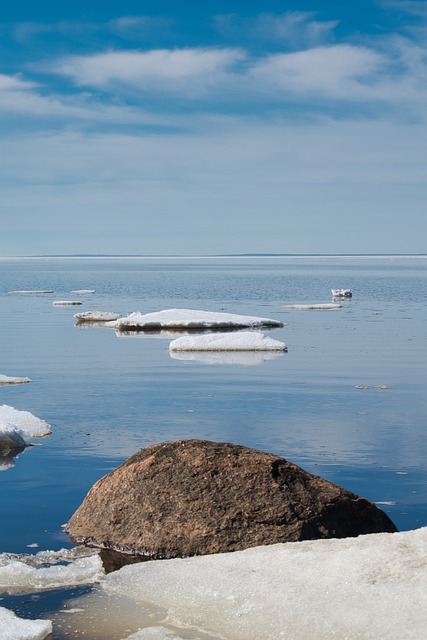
(195, 497)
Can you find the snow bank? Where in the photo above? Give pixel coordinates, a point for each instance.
(14, 628)
(20, 573)
(12, 380)
(64, 303)
(182, 319)
(17, 427)
(370, 587)
(326, 306)
(240, 341)
(95, 316)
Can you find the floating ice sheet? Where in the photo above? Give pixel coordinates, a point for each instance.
(370, 587)
(95, 316)
(17, 427)
(12, 380)
(235, 341)
(65, 303)
(324, 306)
(187, 319)
(32, 292)
(14, 628)
(22, 573)
(82, 292)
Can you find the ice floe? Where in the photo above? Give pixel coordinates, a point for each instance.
(95, 316)
(4, 380)
(235, 341)
(324, 306)
(370, 587)
(17, 427)
(64, 303)
(82, 292)
(341, 293)
(14, 628)
(32, 292)
(23, 573)
(190, 319)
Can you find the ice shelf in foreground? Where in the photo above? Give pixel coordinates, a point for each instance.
(370, 587)
(14, 628)
(236, 341)
(189, 319)
(325, 306)
(12, 380)
(17, 427)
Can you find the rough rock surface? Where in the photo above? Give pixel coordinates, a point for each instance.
(195, 497)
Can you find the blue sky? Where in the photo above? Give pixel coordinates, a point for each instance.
(213, 127)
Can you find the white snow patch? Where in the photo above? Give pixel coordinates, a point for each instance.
(82, 292)
(190, 319)
(64, 303)
(21, 573)
(235, 341)
(12, 380)
(370, 587)
(17, 427)
(14, 628)
(95, 316)
(325, 306)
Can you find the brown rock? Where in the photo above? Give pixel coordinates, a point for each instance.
(195, 497)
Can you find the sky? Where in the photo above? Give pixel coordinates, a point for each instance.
(165, 127)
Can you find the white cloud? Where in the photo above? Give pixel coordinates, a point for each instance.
(158, 68)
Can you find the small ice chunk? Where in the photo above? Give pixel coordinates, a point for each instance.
(31, 292)
(14, 628)
(82, 292)
(235, 341)
(95, 316)
(21, 573)
(341, 293)
(64, 303)
(187, 319)
(325, 306)
(12, 380)
(17, 427)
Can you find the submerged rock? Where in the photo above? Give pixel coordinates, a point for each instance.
(195, 497)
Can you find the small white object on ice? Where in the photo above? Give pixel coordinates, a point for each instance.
(64, 303)
(12, 380)
(234, 341)
(14, 628)
(325, 306)
(187, 319)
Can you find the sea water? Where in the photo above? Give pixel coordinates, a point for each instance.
(347, 401)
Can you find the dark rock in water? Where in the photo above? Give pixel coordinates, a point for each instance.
(195, 497)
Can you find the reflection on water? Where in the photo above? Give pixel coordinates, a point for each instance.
(8, 455)
(247, 358)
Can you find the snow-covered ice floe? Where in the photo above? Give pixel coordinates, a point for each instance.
(82, 292)
(64, 303)
(246, 358)
(370, 587)
(14, 628)
(4, 380)
(235, 341)
(324, 306)
(341, 293)
(17, 427)
(32, 292)
(24, 573)
(190, 319)
(95, 316)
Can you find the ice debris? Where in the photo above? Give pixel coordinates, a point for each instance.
(12, 380)
(82, 292)
(32, 292)
(235, 341)
(95, 316)
(324, 306)
(64, 303)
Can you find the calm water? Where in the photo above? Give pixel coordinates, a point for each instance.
(107, 396)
